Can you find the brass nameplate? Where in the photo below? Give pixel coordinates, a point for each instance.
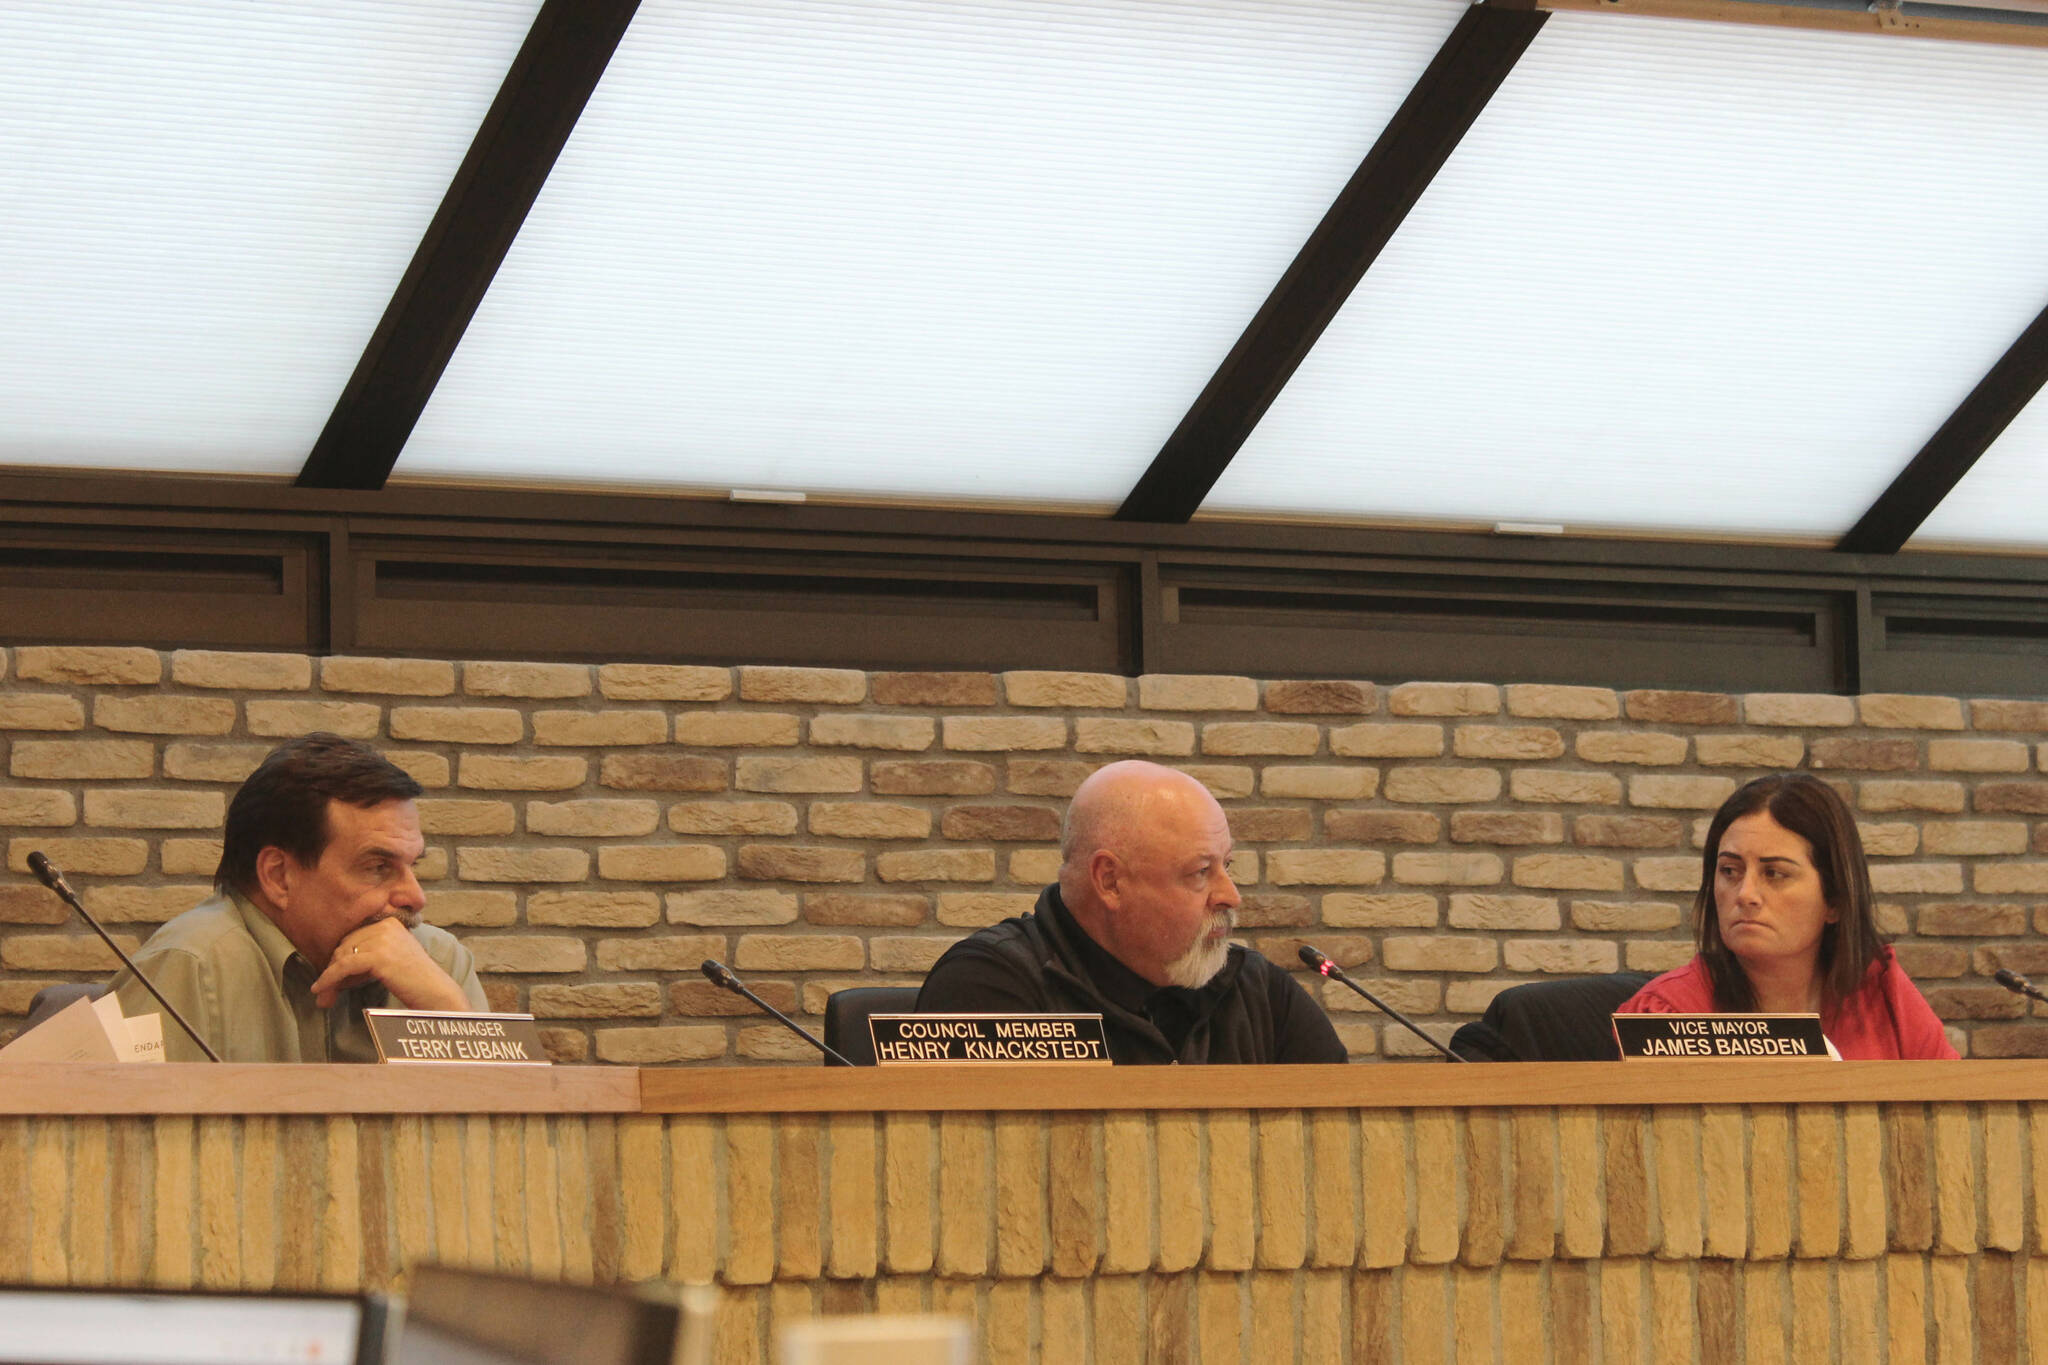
(434, 1036)
(1009, 1039)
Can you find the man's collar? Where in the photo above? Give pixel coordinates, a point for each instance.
(277, 949)
(1112, 978)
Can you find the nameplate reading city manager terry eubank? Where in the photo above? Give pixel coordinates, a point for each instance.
(434, 1036)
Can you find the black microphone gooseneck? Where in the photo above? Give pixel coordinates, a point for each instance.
(721, 975)
(49, 876)
(2018, 984)
(1322, 964)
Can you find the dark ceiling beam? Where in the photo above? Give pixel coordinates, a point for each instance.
(1484, 47)
(1998, 398)
(558, 66)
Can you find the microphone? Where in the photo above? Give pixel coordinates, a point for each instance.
(47, 873)
(2018, 985)
(1322, 964)
(722, 977)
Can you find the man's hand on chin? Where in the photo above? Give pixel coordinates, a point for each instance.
(385, 950)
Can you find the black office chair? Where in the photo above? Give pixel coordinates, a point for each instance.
(50, 999)
(1550, 1021)
(846, 1018)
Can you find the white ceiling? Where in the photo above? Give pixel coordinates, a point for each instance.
(973, 249)
(1680, 278)
(205, 206)
(1660, 285)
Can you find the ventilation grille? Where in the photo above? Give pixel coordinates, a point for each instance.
(142, 586)
(854, 612)
(1411, 626)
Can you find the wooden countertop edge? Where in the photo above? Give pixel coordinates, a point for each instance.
(286, 1089)
(291, 1088)
(1365, 1086)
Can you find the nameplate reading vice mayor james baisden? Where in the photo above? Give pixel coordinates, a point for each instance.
(1720, 1035)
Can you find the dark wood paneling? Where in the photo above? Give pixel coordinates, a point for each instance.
(685, 606)
(1995, 645)
(139, 586)
(428, 511)
(1530, 630)
(503, 574)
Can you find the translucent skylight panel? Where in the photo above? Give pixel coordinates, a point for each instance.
(1682, 278)
(982, 250)
(206, 205)
(2003, 501)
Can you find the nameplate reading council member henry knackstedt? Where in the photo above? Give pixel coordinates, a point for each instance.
(1007, 1038)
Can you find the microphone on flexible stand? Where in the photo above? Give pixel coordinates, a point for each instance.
(722, 976)
(47, 873)
(1322, 964)
(2018, 985)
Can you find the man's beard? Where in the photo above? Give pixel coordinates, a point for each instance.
(1205, 957)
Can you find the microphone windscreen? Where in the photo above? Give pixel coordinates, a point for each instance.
(40, 865)
(719, 973)
(2011, 980)
(1313, 959)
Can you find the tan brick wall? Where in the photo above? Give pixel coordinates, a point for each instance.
(596, 831)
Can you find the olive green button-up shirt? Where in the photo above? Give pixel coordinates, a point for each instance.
(237, 979)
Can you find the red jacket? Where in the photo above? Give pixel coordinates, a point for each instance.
(1887, 1019)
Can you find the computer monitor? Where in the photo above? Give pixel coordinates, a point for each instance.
(48, 1325)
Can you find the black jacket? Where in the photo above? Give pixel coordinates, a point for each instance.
(1044, 962)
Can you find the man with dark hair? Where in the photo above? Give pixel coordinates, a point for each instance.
(315, 917)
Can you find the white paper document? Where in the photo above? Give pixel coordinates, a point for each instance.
(90, 1031)
(143, 1033)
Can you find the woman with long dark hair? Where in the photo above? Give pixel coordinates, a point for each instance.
(1785, 922)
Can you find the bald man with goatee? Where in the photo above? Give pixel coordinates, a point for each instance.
(1137, 929)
